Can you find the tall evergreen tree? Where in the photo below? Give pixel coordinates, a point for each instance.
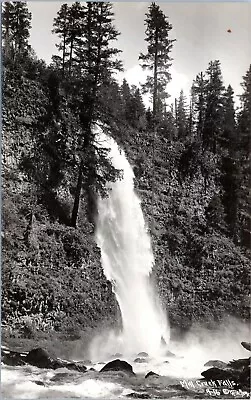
(181, 115)
(244, 137)
(214, 107)
(69, 26)
(230, 166)
(157, 59)
(16, 20)
(199, 92)
(96, 61)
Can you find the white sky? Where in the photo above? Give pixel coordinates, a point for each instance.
(200, 29)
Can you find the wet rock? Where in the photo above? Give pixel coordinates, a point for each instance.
(246, 345)
(40, 383)
(118, 365)
(216, 364)
(135, 395)
(75, 366)
(39, 358)
(12, 358)
(140, 360)
(239, 364)
(143, 354)
(151, 373)
(218, 374)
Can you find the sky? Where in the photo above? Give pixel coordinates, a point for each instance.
(200, 30)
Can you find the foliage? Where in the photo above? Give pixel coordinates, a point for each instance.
(157, 59)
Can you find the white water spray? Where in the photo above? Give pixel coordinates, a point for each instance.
(127, 260)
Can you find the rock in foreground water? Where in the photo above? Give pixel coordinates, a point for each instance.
(39, 358)
(150, 374)
(216, 364)
(12, 358)
(118, 365)
(246, 345)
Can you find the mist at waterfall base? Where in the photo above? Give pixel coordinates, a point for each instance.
(127, 261)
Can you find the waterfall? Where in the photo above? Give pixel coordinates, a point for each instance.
(127, 260)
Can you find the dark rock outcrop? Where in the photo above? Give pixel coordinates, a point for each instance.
(135, 395)
(12, 358)
(246, 345)
(236, 370)
(216, 364)
(40, 383)
(118, 365)
(40, 358)
(150, 374)
(217, 374)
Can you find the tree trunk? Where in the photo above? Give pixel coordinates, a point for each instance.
(155, 77)
(75, 209)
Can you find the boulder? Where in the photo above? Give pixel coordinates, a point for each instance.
(12, 358)
(135, 395)
(239, 364)
(246, 345)
(118, 365)
(216, 364)
(218, 374)
(40, 383)
(40, 358)
(75, 366)
(143, 354)
(140, 360)
(151, 373)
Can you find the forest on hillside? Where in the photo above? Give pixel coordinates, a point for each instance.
(191, 164)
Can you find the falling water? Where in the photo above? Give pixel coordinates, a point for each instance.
(127, 260)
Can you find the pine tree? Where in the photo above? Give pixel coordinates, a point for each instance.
(199, 91)
(181, 115)
(95, 61)
(157, 59)
(244, 136)
(16, 20)
(214, 107)
(61, 29)
(192, 113)
(230, 166)
(68, 25)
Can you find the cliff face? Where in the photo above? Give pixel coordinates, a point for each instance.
(52, 277)
(200, 274)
